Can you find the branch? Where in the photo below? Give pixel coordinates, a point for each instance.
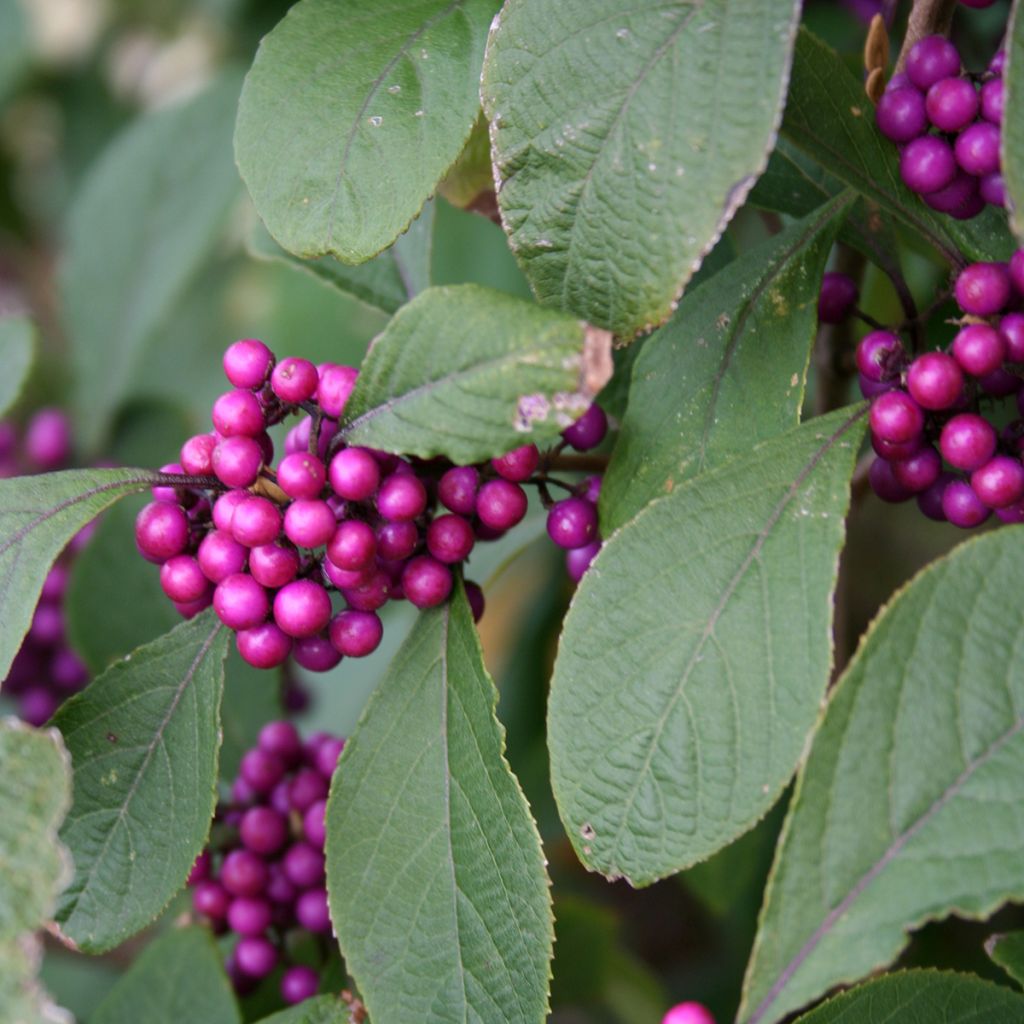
(927, 18)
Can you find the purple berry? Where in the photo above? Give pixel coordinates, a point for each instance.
(837, 297)
(500, 504)
(992, 101)
(577, 560)
(197, 454)
(370, 594)
(294, 380)
(309, 523)
(518, 464)
(255, 522)
(927, 164)
(1016, 271)
(238, 413)
(255, 956)
(688, 1013)
(929, 501)
(457, 488)
(1011, 327)
(979, 349)
(247, 363)
(303, 865)
(240, 602)
(450, 539)
(896, 417)
(572, 523)
(220, 556)
(182, 579)
(884, 483)
(316, 653)
(161, 531)
(298, 984)
(311, 911)
(426, 582)
(224, 508)
(993, 189)
(900, 115)
(879, 355)
(934, 380)
(1000, 482)
(983, 288)
(396, 541)
(353, 545)
(237, 461)
(402, 496)
(326, 759)
(282, 739)
(967, 441)
(313, 823)
(263, 646)
(962, 507)
(920, 471)
(354, 474)
(263, 831)
(960, 198)
(952, 104)
(1000, 384)
(301, 475)
(588, 431)
(210, 900)
(48, 439)
(336, 384)
(931, 59)
(274, 565)
(261, 770)
(248, 915)
(475, 597)
(356, 634)
(302, 608)
(977, 149)
(243, 873)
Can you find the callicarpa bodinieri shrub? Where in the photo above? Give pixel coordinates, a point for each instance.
(580, 577)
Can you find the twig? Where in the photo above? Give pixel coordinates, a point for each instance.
(927, 18)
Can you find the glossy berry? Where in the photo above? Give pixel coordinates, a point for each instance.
(450, 539)
(220, 555)
(370, 593)
(962, 507)
(1016, 271)
(930, 60)
(918, 472)
(182, 579)
(302, 608)
(314, 820)
(309, 523)
(396, 541)
(896, 417)
(48, 439)
(992, 93)
(238, 413)
(927, 164)
(301, 475)
(273, 565)
(354, 474)
(900, 115)
(572, 523)
(264, 645)
(501, 504)
(589, 430)
(247, 363)
(402, 496)
(336, 384)
(977, 149)
(979, 349)
(356, 633)
(967, 441)
(240, 602)
(315, 653)
(255, 956)
(311, 911)
(303, 865)
(879, 355)
(243, 873)
(1000, 482)
(237, 461)
(837, 297)
(577, 560)
(261, 770)
(688, 1013)
(983, 288)
(281, 739)
(353, 545)
(211, 900)
(298, 984)
(161, 531)
(457, 489)
(426, 582)
(961, 198)
(952, 104)
(993, 189)
(884, 483)
(518, 464)
(934, 380)
(255, 521)
(294, 380)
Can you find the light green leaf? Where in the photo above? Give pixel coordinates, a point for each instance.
(17, 350)
(146, 217)
(695, 655)
(470, 373)
(352, 113)
(38, 516)
(832, 120)
(922, 997)
(1012, 138)
(909, 805)
(177, 979)
(1008, 951)
(319, 1010)
(612, 182)
(434, 866)
(385, 283)
(726, 372)
(143, 739)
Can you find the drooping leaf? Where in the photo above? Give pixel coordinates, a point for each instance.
(695, 655)
(1012, 137)
(613, 182)
(319, 1010)
(351, 114)
(1008, 951)
(143, 739)
(470, 373)
(829, 116)
(17, 348)
(909, 805)
(34, 796)
(178, 978)
(38, 516)
(386, 282)
(922, 997)
(728, 370)
(434, 867)
(139, 229)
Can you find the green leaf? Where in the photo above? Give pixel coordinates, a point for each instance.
(832, 120)
(352, 113)
(922, 997)
(470, 373)
(613, 184)
(470, 177)
(143, 739)
(1013, 124)
(726, 372)
(147, 215)
(319, 1010)
(434, 866)
(17, 350)
(178, 978)
(695, 655)
(1008, 951)
(385, 283)
(252, 697)
(15, 44)
(38, 516)
(908, 807)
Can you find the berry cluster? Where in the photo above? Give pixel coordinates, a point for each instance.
(938, 423)
(263, 878)
(270, 547)
(947, 123)
(45, 670)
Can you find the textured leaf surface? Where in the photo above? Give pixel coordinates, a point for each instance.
(1013, 122)
(386, 282)
(829, 117)
(35, 793)
(352, 113)
(320, 1010)
(922, 997)
(145, 218)
(695, 655)
(885, 831)
(143, 739)
(434, 866)
(1008, 951)
(613, 182)
(178, 978)
(470, 373)
(38, 516)
(17, 347)
(727, 371)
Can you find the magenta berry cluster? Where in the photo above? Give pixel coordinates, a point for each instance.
(45, 671)
(263, 879)
(935, 417)
(947, 124)
(299, 559)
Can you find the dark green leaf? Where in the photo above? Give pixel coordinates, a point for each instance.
(1013, 122)
(320, 1010)
(434, 866)
(351, 114)
(613, 182)
(728, 370)
(143, 739)
(908, 807)
(696, 653)
(922, 997)
(1008, 951)
(470, 373)
(38, 516)
(17, 349)
(830, 118)
(139, 229)
(177, 980)
(386, 282)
